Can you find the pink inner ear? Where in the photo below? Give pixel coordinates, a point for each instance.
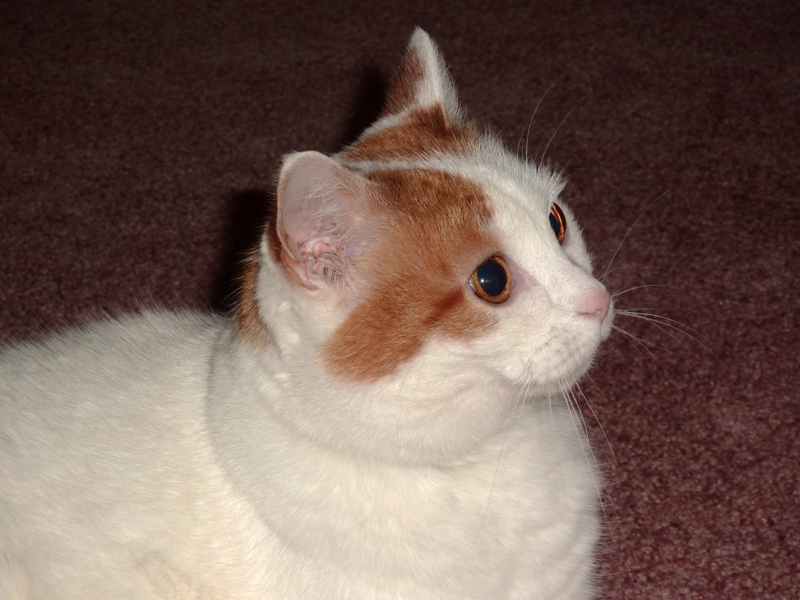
(320, 224)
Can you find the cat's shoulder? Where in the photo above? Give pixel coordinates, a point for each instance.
(126, 332)
(149, 347)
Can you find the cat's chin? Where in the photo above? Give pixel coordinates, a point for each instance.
(551, 371)
(554, 388)
(536, 387)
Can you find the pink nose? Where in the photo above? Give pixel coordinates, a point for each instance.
(595, 304)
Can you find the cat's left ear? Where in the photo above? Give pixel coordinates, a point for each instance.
(322, 221)
(423, 82)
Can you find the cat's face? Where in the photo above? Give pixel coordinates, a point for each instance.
(414, 287)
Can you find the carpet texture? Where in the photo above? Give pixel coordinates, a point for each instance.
(139, 143)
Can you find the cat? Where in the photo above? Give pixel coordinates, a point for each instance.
(384, 415)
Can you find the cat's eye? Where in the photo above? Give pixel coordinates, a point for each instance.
(558, 222)
(492, 280)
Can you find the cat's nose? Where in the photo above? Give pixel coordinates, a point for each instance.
(595, 304)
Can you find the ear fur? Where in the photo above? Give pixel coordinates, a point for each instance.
(422, 82)
(321, 219)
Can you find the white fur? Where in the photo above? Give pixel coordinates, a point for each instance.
(162, 456)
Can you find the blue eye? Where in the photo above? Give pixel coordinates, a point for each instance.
(558, 222)
(492, 280)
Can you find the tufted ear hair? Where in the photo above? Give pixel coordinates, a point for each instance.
(422, 82)
(322, 219)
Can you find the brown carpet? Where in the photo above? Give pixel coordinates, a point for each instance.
(139, 142)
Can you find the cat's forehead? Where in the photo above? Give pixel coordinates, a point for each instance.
(515, 194)
(419, 134)
(428, 137)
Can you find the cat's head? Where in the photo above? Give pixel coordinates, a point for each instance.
(413, 287)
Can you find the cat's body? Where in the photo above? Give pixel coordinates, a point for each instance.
(365, 427)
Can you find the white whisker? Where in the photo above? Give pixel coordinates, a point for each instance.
(644, 344)
(552, 137)
(527, 133)
(579, 425)
(627, 233)
(504, 450)
(597, 420)
(667, 326)
(637, 313)
(488, 503)
(641, 287)
(523, 396)
(598, 486)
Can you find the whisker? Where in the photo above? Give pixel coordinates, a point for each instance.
(488, 503)
(642, 287)
(526, 132)
(598, 486)
(615, 466)
(627, 233)
(520, 401)
(530, 122)
(663, 323)
(504, 450)
(597, 420)
(579, 425)
(644, 344)
(637, 313)
(621, 266)
(552, 137)
(574, 425)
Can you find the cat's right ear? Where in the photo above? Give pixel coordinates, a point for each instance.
(322, 220)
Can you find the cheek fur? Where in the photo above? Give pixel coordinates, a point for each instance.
(391, 328)
(436, 220)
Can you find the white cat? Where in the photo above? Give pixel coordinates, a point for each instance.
(384, 417)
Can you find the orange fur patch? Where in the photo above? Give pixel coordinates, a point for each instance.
(250, 325)
(424, 131)
(417, 271)
(403, 90)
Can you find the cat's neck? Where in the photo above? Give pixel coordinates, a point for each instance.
(285, 474)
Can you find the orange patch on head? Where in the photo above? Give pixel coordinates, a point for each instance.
(418, 272)
(423, 132)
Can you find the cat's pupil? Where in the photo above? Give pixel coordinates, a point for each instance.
(492, 277)
(558, 222)
(555, 224)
